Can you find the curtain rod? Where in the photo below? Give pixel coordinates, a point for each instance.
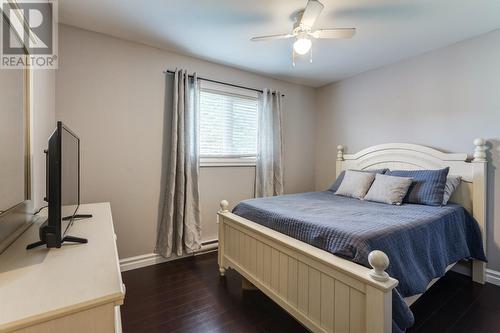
(220, 82)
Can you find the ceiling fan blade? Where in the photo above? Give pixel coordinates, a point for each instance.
(271, 37)
(311, 13)
(338, 33)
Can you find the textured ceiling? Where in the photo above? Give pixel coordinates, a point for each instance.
(219, 31)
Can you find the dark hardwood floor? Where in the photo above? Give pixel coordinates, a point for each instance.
(189, 296)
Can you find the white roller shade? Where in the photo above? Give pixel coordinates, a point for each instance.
(228, 122)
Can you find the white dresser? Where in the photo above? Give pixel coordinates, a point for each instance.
(77, 288)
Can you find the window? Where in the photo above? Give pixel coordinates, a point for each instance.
(228, 125)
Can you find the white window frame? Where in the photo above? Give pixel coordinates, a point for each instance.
(226, 161)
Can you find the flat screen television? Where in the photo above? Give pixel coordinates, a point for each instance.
(63, 188)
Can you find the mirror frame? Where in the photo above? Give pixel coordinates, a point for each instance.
(19, 217)
(27, 134)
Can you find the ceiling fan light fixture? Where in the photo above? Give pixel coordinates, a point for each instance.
(302, 45)
(302, 31)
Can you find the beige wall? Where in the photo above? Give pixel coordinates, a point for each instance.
(236, 183)
(44, 121)
(111, 92)
(443, 99)
(11, 138)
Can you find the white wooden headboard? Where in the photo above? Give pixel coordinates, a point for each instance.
(403, 156)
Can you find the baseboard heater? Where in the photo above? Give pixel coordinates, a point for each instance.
(127, 264)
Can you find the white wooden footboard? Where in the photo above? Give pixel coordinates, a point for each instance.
(324, 292)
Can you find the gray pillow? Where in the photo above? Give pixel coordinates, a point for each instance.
(388, 189)
(355, 184)
(335, 186)
(452, 183)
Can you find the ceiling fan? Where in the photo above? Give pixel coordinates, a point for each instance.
(303, 33)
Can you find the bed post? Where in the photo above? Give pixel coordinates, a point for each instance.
(479, 202)
(379, 262)
(340, 159)
(379, 302)
(220, 220)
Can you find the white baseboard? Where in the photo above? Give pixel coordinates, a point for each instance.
(492, 276)
(127, 264)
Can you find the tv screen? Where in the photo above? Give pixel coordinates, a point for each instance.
(70, 177)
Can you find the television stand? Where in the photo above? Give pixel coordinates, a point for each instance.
(73, 239)
(77, 217)
(35, 244)
(85, 279)
(70, 239)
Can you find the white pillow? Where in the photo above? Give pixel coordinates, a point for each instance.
(452, 183)
(388, 189)
(355, 184)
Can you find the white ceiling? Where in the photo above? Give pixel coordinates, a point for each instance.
(219, 30)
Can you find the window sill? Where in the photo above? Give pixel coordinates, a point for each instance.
(227, 162)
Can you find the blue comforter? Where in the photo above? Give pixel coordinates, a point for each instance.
(421, 241)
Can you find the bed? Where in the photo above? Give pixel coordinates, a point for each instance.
(322, 281)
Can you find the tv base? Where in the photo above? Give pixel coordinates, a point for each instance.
(73, 239)
(77, 217)
(35, 244)
(70, 239)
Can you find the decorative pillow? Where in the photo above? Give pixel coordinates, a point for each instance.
(427, 187)
(355, 184)
(452, 183)
(335, 186)
(388, 189)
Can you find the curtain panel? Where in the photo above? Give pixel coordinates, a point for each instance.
(179, 229)
(269, 166)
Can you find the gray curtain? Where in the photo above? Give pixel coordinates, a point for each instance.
(269, 169)
(179, 228)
